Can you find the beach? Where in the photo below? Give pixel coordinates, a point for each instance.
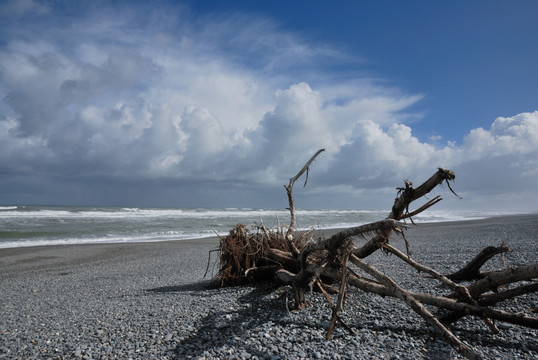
(150, 301)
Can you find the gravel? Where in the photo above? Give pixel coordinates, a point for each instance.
(149, 301)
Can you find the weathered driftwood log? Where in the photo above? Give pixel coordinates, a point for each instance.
(400, 209)
(471, 271)
(442, 302)
(251, 254)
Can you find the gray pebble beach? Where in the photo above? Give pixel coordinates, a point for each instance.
(149, 301)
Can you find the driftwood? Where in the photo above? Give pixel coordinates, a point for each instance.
(303, 261)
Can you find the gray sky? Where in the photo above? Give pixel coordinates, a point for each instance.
(184, 105)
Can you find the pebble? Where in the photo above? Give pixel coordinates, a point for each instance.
(156, 307)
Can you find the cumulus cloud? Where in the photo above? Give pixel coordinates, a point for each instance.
(375, 156)
(507, 135)
(496, 164)
(169, 102)
(501, 162)
(165, 107)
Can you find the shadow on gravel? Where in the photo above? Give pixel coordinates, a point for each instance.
(238, 321)
(475, 338)
(433, 342)
(225, 330)
(434, 348)
(201, 285)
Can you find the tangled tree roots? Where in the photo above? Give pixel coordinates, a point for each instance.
(244, 255)
(255, 254)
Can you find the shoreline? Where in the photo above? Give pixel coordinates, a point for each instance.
(58, 254)
(323, 231)
(148, 300)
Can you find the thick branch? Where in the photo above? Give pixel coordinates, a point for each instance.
(422, 268)
(383, 225)
(447, 303)
(283, 258)
(408, 299)
(461, 291)
(338, 243)
(410, 194)
(472, 270)
(503, 277)
(494, 298)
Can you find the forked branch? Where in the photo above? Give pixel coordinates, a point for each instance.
(289, 191)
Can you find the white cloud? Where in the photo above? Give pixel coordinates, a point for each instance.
(492, 163)
(297, 123)
(507, 135)
(375, 158)
(502, 160)
(172, 104)
(186, 105)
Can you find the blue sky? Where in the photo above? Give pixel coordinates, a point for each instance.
(472, 61)
(218, 104)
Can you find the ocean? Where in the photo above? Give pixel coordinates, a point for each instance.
(55, 225)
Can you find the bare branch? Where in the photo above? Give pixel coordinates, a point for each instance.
(289, 190)
(320, 261)
(305, 167)
(472, 270)
(408, 299)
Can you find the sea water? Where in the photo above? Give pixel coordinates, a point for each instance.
(54, 225)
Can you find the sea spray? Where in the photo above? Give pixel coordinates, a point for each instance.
(53, 225)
